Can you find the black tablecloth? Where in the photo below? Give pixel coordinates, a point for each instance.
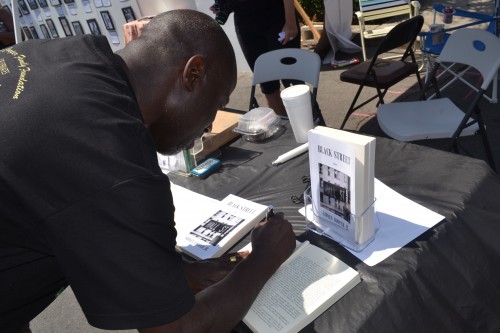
(446, 280)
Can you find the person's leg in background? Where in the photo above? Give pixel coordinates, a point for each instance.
(272, 92)
(261, 40)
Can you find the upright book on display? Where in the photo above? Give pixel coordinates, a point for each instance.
(342, 166)
(207, 228)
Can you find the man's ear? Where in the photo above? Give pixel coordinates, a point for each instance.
(193, 71)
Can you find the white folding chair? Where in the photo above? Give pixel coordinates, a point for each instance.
(288, 64)
(432, 42)
(370, 10)
(440, 117)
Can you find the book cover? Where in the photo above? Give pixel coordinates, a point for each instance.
(304, 286)
(213, 227)
(342, 166)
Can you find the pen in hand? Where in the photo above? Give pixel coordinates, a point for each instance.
(270, 212)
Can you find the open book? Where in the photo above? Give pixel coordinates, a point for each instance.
(207, 228)
(304, 286)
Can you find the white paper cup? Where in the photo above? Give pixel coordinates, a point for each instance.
(297, 102)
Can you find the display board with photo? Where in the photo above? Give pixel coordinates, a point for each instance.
(63, 18)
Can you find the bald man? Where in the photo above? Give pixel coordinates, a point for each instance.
(83, 200)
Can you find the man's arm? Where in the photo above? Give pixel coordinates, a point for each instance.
(220, 307)
(290, 27)
(202, 274)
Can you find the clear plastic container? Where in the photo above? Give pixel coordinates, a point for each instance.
(258, 124)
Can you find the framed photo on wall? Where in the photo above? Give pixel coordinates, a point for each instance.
(43, 3)
(34, 32)
(45, 31)
(32, 3)
(77, 26)
(129, 14)
(27, 33)
(108, 22)
(65, 26)
(23, 8)
(94, 27)
(52, 28)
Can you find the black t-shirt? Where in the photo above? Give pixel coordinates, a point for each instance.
(81, 185)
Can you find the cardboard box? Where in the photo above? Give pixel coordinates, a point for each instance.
(222, 133)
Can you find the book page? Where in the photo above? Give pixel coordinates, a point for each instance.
(304, 286)
(184, 201)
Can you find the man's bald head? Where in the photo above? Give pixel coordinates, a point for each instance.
(182, 69)
(175, 36)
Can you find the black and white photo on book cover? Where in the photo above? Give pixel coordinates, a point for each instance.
(216, 227)
(212, 227)
(335, 192)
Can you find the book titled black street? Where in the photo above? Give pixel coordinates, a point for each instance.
(207, 228)
(342, 182)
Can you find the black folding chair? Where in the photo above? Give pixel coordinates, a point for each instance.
(382, 74)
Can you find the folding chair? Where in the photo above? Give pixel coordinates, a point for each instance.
(370, 10)
(289, 64)
(382, 74)
(440, 117)
(432, 42)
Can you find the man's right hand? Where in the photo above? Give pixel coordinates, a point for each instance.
(273, 241)
(219, 307)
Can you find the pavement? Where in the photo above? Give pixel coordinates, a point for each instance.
(334, 97)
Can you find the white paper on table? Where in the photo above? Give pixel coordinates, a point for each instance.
(190, 205)
(401, 220)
